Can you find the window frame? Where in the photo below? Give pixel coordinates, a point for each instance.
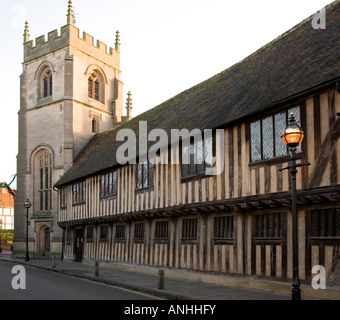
(94, 87)
(103, 233)
(95, 124)
(45, 181)
(120, 233)
(63, 198)
(330, 219)
(275, 137)
(139, 232)
(46, 84)
(145, 178)
(162, 231)
(69, 236)
(224, 229)
(263, 222)
(89, 234)
(194, 170)
(108, 189)
(189, 231)
(79, 192)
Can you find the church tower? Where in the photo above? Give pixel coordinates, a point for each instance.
(70, 90)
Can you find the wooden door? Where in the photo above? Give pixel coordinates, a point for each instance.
(79, 244)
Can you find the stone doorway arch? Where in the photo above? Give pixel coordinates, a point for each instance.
(44, 241)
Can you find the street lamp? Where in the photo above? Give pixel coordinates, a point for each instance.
(0, 235)
(292, 137)
(27, 205)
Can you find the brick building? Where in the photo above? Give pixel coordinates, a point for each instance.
(7, 195)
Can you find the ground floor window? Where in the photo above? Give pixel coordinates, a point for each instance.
(89, 234)
(224, 228)
(325, 223)
(104, 231)
(120, 232)
(162, 230)
(139, 232)
(268, 225)
(189, 229)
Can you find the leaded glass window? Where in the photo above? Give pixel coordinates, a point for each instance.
(325, 223)
(224, 227)
(265, 135)
(268, 225)
(45, 183)
(196, 157)
(144, 175)
(162, 230)
(189, 229)
(108, 184)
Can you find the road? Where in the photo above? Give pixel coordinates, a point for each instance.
(47, 285)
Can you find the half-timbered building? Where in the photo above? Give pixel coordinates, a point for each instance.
(174, 215)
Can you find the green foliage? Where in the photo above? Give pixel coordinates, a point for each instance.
(7, 236)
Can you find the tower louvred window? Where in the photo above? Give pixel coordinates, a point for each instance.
(94, 87)
(47, 84)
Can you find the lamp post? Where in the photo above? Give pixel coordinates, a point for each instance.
(27, 205)
(0, 235)
(292, 137)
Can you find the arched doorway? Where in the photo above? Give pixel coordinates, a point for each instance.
(44, 241)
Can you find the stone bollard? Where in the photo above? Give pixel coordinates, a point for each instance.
(96, 268)
(53, 262)
(160, 279)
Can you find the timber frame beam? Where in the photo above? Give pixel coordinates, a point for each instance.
(321, 196)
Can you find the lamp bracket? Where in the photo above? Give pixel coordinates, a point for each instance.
(296, 165)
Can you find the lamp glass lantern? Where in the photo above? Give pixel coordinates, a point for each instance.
(27, 204)
(293, 134)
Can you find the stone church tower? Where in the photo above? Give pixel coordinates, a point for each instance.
(70, 90)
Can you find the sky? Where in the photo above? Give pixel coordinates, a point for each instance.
(167, 46)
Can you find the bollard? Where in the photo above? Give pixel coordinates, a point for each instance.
(96, 268)
(53, 262)
(160, 279)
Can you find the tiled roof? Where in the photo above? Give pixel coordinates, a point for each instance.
(300, 59)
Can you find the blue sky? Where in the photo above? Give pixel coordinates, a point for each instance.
(167, 46)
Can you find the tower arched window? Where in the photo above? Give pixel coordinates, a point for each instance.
(94, 87)
(43, 180)
(47, 84)
(95, 124)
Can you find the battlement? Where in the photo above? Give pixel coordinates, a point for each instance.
(42, 47)
(70, 36)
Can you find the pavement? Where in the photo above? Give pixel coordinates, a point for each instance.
(177, 283)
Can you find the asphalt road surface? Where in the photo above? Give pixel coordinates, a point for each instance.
(28, 283)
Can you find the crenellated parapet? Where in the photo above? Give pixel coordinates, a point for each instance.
(88, 45)
(41, 46)
(69, 36)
